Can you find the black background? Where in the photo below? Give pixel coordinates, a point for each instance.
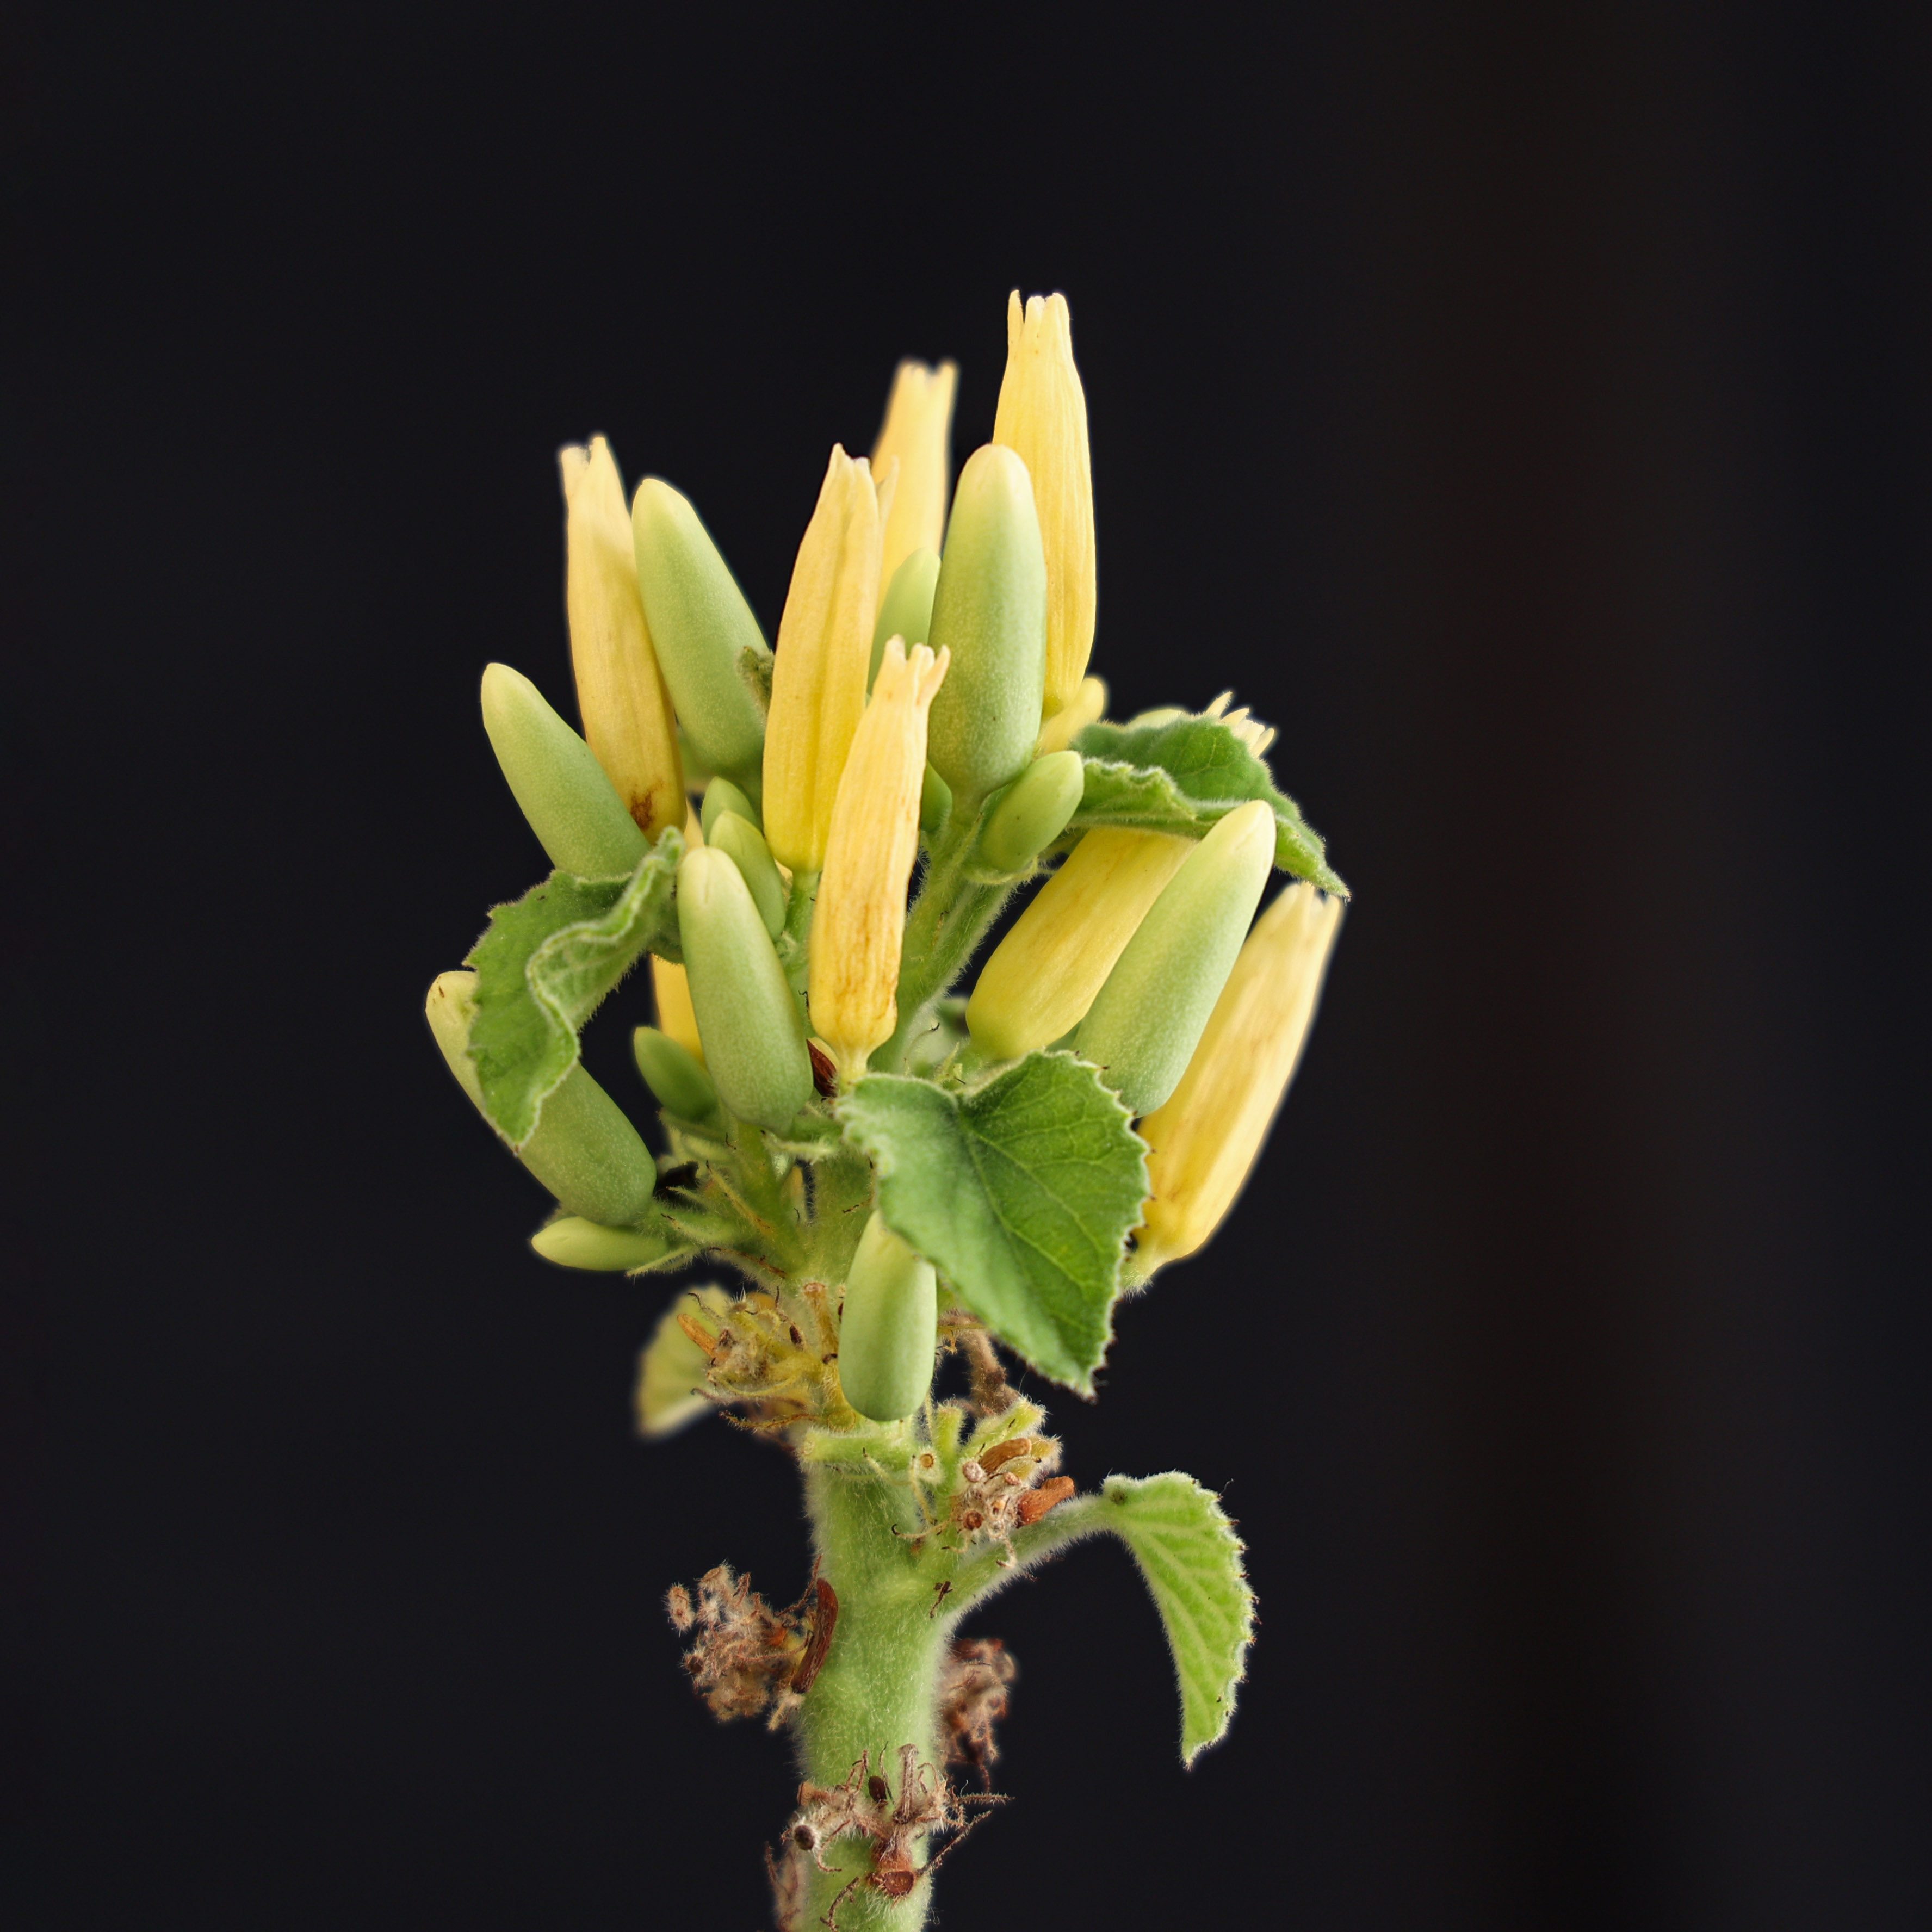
(1526, 406)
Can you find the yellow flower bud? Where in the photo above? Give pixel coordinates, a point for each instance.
(818, 677)
(1048, 970)
(626, 710)
(676, 1018)
(1064, 726)
(917, 429)
(1042, 415)
(859, 921)
(1206, 1136)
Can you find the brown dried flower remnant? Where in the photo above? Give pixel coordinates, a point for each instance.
(972, 1699)
(746, 1658)
(1001, 1490)
(863, 1804)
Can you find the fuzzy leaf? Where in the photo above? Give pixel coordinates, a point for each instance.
(1182, 775)
(1022, 1194)
(1189, 1553)
(544, 966)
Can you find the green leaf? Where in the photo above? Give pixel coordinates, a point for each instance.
(544, 966)
(1182, 775)
(1189, 1553)
(1022, 1194)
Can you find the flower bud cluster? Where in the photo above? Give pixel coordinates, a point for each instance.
(927, 693)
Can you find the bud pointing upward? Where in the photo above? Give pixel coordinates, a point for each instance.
(818, 679)
(706, 637)
(917, 429)
(859, 924)
(989, 611)
(620, 691)
(1042, 415)
(755, 1048)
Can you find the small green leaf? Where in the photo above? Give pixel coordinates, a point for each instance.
(1189, 1553)
(1021, 1194)
(1180, 776)
(544, 966)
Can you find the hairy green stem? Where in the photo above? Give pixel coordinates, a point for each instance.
(878, 1690)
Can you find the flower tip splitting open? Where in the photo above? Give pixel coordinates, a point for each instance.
(917, 432)
(621, 694)
(818, 677)
(1042, 415)
(858, 927)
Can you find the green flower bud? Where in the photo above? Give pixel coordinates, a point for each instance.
(754, 1045)
(702, 627)
(890, 1326)
(584, 1150)
(697, 773)
(905, 611)
(935, 802)
(1143, 1024)
(1033, 813)
(720, 795)
(674, 1074)
(573, 1243)
(989, 611)
(572, 807)
(753, 857)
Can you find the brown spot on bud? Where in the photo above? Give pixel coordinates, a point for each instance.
(880, 1789)
(824, 1074)
(990, 1459)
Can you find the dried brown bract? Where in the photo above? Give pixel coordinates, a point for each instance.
(747, 1659)
(1002, 1489)
(972, 1699)
(863, 1806)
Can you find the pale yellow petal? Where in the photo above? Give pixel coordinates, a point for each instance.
(628, 722)
(677, 1017)
(818, 676)
(918, 432)
(1207, 1135)
(858, 924)
(1042, 415)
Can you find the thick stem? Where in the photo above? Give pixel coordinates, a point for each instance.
(879, 1688)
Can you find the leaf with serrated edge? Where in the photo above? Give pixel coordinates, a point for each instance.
(1191, 1558)
(1021, 1194)
(1181, 776)
(544, 966)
